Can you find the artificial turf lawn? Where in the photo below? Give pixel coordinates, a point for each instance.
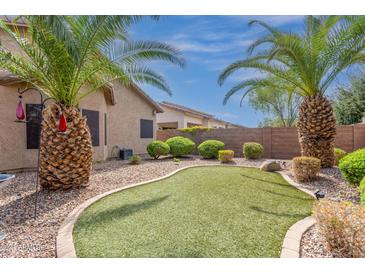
(198, 212)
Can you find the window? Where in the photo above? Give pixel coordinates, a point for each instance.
(146, 128)
(92, 117)
(33, 126)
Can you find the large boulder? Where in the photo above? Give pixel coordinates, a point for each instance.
(270, 165)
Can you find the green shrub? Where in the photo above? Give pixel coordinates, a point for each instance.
(135, 160)
(209, 148)
(362, 191)
(157, 148)
(305, 169)
(339, 154)
(352, 166)
(180, 146)
(252, 150)
(226, 156)
(193, 130)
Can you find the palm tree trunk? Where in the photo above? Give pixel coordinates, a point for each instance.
(317, 129)
(65, 157)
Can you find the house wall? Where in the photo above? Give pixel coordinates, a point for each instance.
(279, 143)
(171, 115)
(124, 121)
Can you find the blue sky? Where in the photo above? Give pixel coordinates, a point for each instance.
(209, 44)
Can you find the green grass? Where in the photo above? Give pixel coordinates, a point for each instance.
(199, 212)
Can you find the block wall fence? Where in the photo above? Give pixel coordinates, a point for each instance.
(279, 143)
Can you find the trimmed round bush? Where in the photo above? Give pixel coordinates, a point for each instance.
(135, 160)
(209, 148)
(305, 169)
(157, 148)
(225, 156)
(339, 154)
(180, 146)
(352, 166)
(362, 191)
(252, 150)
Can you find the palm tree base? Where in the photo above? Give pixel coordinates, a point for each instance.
(65, 157)
(317, 129)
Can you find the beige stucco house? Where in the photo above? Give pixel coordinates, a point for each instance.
(178, 116)
(117, 116)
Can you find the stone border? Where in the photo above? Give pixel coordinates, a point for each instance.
(293, 237)
(64, 241)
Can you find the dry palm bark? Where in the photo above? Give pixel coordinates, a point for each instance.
(65, 157)
(317, 129)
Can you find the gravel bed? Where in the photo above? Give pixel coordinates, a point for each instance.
(27, 237)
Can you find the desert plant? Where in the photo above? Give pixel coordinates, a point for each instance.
(305, 169)
(194, 130)
(342, 226)
(362, 191)
(209, 148)
(352, 166)
(135, 160)
(157, 148)
(252, 150)
(68, 58)
(339, 154)
(225, 156)
(180, 146)
(310, 61)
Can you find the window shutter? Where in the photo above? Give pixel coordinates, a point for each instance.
(92, 117)
(146, 127)
(33, 126)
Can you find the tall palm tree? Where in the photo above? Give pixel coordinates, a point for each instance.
(69, 58)
(311, 62)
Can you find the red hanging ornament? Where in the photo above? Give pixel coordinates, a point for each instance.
(62, 126)
(19, 110)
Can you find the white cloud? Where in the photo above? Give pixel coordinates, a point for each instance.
(226, 115)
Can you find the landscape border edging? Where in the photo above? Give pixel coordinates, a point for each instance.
(293, 237)
(64, 241)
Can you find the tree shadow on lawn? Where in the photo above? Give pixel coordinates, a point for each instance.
(267, 181)
(285, 195)
(278, 214)
(121, 211)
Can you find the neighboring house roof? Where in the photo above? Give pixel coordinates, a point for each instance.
(195, 112)
(186, 109)
(9, 79)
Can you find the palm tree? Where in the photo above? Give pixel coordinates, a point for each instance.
(69, 58)
(270, 95)
(311, 62)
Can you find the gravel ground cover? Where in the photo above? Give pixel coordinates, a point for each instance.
(26, 237)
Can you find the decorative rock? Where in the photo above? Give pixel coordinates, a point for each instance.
(270, 166)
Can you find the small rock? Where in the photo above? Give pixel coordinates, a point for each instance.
(270, 166)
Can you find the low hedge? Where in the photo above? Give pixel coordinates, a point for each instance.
(352, 166)
(339, 154)
(180, 146)
(157, 148)
(305, 169)
(209, 148)
(225, 156)
(252, 150)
